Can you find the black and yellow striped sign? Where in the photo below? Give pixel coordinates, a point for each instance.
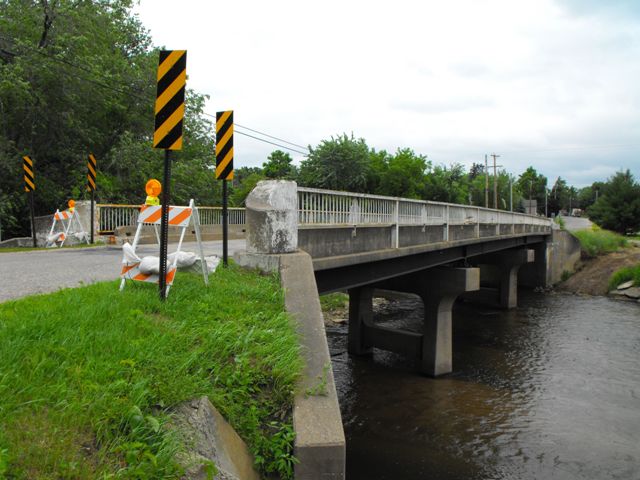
(29, 177)
(224, 145)
(172, 77)
(91, 173)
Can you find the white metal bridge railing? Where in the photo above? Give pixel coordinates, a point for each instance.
(113, 216)
(327, 207)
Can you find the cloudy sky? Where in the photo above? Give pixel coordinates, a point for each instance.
(549, 83)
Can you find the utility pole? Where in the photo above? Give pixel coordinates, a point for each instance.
(495, 182)
(486, 182)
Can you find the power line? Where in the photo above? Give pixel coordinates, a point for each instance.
(271, 136)
(74, 65)
(267, 135)
(272, 143)
(136, 95)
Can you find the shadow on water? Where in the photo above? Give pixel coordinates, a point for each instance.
(549, 390)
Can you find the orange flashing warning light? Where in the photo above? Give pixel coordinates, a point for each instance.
(153, 189)
(72, 205)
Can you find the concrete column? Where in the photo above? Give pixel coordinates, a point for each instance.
(507, 264)
(360, 316)
(439, 291)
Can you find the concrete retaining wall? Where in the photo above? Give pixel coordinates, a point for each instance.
(558, 254)
(320, 443)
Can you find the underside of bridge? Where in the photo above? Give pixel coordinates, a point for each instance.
(490, 279)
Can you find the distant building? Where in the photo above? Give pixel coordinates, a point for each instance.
(530, 206)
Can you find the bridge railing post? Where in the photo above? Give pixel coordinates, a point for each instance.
(396, 227)
(477, 222)
(446, 224)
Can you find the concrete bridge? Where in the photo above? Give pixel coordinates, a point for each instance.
(324, 241)
(438, 251)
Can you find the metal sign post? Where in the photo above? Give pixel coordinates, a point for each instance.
(224, 169)
(169, 109)
(225, 225)
(164, 224)
(91, 186)
(29, 187)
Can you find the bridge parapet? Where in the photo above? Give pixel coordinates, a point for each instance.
(333, 223)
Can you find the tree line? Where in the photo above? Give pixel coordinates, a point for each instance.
(79, 77)
(347, 163)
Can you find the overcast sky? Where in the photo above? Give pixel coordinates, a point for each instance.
(549, 83)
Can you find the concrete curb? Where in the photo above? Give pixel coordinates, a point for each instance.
(320, 443)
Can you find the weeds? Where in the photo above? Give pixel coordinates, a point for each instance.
(596, 242)
(321, 387)
(88, 376)
(624, 275)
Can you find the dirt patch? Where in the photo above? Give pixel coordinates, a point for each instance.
(592, 277)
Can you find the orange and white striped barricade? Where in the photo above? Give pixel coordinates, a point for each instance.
(68, 219)
(180, 217)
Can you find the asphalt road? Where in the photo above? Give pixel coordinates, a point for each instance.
(42, 271)
(576, 223)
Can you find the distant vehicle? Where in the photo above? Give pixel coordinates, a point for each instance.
(576, 212)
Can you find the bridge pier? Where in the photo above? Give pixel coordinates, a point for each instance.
(439, 292)
(500, 270)
(438, 288)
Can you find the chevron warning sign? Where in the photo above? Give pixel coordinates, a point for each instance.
(224, 145)
(91, 173)
(29, 180)
(172, 78)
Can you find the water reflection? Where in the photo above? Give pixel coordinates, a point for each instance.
(550, 390)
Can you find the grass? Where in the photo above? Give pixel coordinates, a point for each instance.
(334, 301)
(88, 376)
(623, 275)
(560, 221)
(596, 241)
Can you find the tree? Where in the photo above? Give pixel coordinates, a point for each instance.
(618, 205)
(340, 163)
(279, 166)
(532, 186)
(79, 77)
(447, 184)
(401, 175)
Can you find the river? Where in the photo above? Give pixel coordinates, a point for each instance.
(550, 390)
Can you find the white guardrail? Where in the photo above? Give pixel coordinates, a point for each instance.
(327, 207)
(112, 216)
